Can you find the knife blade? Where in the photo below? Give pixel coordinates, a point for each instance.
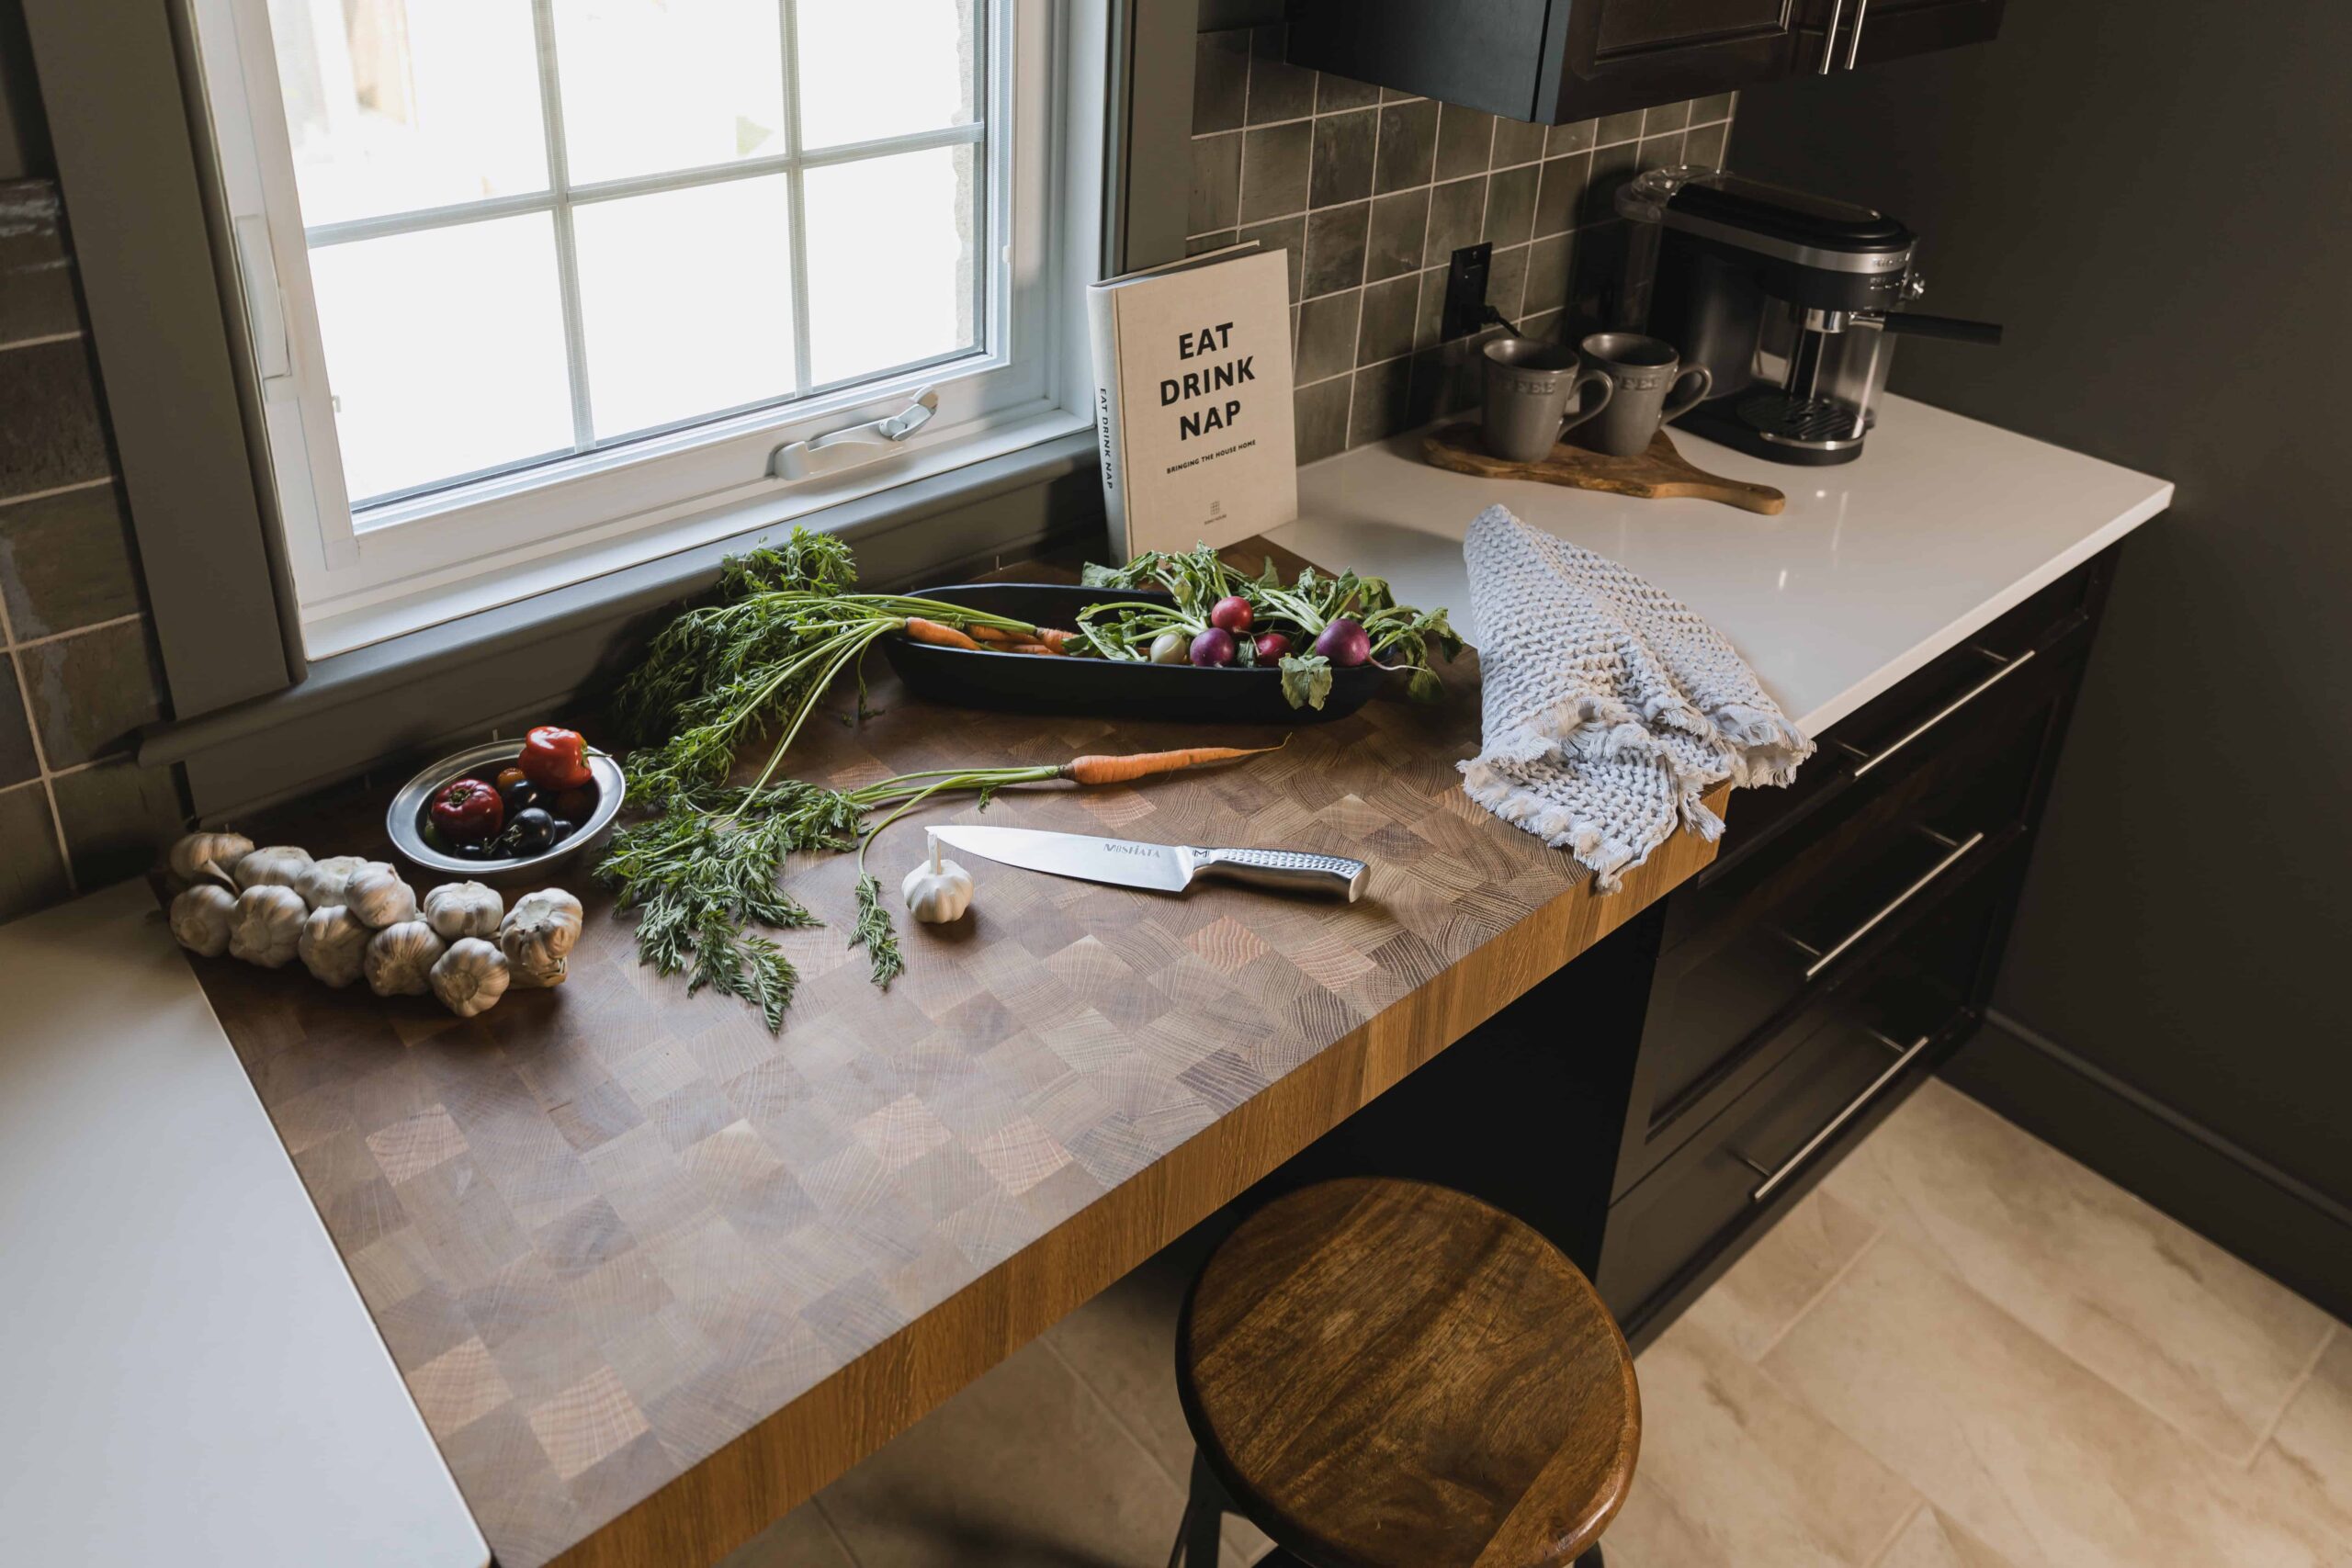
(1158, 868)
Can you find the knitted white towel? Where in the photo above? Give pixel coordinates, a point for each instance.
(1610, 707)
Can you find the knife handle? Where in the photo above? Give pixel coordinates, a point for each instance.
(1287, 871)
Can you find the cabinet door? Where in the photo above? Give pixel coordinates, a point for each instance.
(1844, 34)
(1624, 54)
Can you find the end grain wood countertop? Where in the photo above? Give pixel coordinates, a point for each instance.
(655, 1276)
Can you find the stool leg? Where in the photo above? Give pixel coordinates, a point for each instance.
(1198, 1532)
(1592, 1559)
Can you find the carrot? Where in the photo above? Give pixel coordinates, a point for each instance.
(1025, 648)
(933, 632)
(1142, 764)
(996, 635)
(1057, 638)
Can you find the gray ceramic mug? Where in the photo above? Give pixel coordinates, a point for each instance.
(1646, 374)
(1534, 392)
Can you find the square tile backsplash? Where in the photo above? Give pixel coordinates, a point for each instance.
(1371, 191)
(78, 671)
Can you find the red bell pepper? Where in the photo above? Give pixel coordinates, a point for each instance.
(556, 759)
(467, 812)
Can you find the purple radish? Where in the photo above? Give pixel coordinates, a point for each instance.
(1342, 642)
(1212, 647)
(1271, 645)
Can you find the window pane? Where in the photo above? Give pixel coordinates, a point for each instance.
(889, 261)
(655, 85)
(687, 298)
(397, 105)
(869, 71)
(445, 351)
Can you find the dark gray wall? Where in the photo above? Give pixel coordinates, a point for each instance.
(24, 135)
(2157, 203)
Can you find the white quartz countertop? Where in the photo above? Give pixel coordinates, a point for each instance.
(187, 1374)
(1874, 568)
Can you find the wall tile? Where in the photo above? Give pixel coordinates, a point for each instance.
(1456, 212)
(65, 561)
(1659, 152)
(1327, 335)
(1334, 94)
(1216, 184)
(19, 761)
(1386, 332)
(1611, 167)
(1511, 203)
(1220, 79)
(1464, 140)
(91, 690)
(36, 270)
(1381, 392)
(1704, 145)
(1577, 136)
(1335, 248)
(1274, 169)
(1407, 144)
(1624, 127)
(1429, 318)
(1517, 142)
(1559, 199)
(1705, 110)
(1547, 274)
(1665, 116)
(1399, 222)
(1342, 160)
(1283, 234)
(1321, 412)
(1278, 90)
(50, 430)
(118, 817)
(32, 872)
(1507, 282)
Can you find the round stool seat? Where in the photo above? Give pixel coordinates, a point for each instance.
(1387, 1374)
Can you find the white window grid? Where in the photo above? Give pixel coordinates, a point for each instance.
(562, 197)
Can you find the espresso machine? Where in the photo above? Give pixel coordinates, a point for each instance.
(1791, 301)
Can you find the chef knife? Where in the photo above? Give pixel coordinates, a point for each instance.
(1160, 868)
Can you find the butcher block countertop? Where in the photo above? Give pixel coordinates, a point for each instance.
(654, 1275)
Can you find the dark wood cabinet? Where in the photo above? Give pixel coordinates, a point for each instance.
(1556, 61)
(1654, 1105)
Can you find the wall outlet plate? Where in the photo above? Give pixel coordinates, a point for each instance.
(1465, 292)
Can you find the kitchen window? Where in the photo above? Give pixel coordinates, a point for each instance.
(539, 289)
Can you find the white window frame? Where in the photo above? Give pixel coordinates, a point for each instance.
(404, 564)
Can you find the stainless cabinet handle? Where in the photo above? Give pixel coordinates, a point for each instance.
(1958, 852)
(1854, 44)
(1829, 39)
(1958, 703)
(1853, 1108)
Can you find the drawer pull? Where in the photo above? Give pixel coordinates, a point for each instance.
(1958, 853)
(1829, 40)
(1772, 1179)
(2008, 669)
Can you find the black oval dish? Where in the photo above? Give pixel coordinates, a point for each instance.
(1039, 683)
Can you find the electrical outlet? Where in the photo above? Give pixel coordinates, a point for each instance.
(1465, 292)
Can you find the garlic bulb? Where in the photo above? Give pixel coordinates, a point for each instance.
(201, 857)
(276, 867)
(333, 944)
(469, 977)
(377, 895)
(457, 909)
(938, 890)
(400, 957)
(321, 882)
(266, 924)
(200, 918)
(536, 935)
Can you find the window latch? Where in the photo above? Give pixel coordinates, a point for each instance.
(847, 447)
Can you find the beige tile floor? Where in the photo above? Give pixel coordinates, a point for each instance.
(1962, 1351)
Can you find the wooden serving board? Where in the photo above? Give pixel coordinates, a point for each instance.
(655, 1275)
(1661, 473)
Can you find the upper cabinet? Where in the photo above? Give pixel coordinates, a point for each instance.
(1554, 60)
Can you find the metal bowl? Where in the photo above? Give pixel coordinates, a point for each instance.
(404, 821)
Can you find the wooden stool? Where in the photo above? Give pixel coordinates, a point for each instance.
(1387, 1374)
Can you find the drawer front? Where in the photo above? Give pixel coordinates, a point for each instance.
(1847, 1063)
(1745, 953)
(1908, 726)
